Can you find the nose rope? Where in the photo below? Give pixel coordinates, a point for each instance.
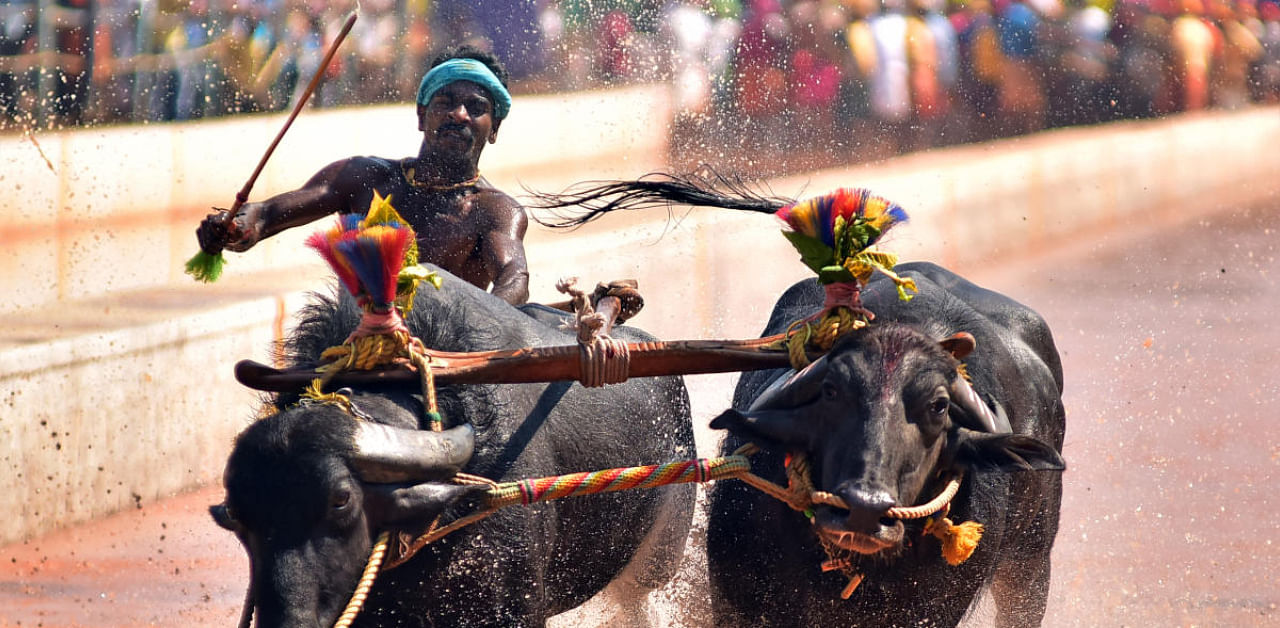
(361, 593)
(958, 541)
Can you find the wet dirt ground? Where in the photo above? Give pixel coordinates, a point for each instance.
(1168, 340)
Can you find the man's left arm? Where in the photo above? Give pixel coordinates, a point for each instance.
(502, 250)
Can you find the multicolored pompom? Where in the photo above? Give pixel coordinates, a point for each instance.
(368, 253)
(821, 217)
(834, 234)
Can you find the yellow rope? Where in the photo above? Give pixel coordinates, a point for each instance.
(366, 352)
(366, 582)
(819, 336)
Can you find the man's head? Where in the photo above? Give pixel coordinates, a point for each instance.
(462, 101)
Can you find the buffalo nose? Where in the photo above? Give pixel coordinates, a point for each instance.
(867, 506)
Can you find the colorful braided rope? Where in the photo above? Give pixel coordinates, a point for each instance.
(620, 479)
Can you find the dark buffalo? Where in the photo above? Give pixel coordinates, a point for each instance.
(309, 488)
(877, 423)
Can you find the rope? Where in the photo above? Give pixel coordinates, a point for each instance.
(612, 480)
(366, 582)
(902, 512)
(601, 359)
(820, 332)
(502, 495)
(422, 362)
(958, 541)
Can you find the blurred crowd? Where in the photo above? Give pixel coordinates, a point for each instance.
(862, 77)
(809, 81)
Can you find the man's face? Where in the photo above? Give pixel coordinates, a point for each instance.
(458, 120)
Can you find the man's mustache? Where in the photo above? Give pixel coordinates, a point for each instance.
(451, 127)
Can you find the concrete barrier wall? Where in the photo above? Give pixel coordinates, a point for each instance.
(96, 211)
(93, 423)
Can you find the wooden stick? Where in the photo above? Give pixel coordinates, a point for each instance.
(243, 195)
(538, 364)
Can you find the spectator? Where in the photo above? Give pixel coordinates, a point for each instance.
(761, 77)
(1086, 64)
(981, 63)
(195, 72)
(947, 64)
(1193, 41)
(376, 36)
(1022, 101)
(890, 96)
(814, 82)
(1138, 77)
(853, 112)
(928, 49)
(1267, 74)
(73, 42)
(1240, 49)
(17, 37)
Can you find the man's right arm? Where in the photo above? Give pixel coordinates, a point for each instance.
(324, 194)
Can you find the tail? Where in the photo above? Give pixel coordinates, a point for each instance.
(596, 198)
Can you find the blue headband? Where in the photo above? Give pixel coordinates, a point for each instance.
(455, 70)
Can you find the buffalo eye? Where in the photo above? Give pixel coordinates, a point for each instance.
(938, 407)
(829, 391)
(340, 499)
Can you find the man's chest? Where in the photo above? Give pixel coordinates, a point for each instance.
(444, 230)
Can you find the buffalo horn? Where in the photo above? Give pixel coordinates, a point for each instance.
(982, 418)
(801, 388)
(765, 427)
(384, 454)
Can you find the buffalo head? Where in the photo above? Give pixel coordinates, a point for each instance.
(307, 489)
(879, 418)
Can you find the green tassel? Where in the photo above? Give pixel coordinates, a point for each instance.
(205, 267)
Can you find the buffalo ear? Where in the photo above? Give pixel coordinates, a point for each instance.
(959, 345)
(1005, 452)
(390, 504)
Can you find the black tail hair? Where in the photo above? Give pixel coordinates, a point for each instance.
(705, 188)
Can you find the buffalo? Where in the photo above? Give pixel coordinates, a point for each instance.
(879, 421)
(309, 488)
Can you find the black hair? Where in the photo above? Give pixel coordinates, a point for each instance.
(705, 188)
(467, 51)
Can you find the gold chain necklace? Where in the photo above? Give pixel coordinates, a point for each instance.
(409, 172)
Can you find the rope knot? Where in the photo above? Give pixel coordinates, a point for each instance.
(601, 359)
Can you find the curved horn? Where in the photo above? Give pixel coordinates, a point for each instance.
(384, 454)
(765, 427)
(801, 388)
(981, 417)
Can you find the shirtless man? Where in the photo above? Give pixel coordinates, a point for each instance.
(463, 224)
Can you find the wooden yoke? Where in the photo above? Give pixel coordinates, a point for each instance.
(539, 364)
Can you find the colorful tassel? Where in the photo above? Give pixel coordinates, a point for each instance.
(325, 243)
(958, 541)
(833, 233)
(375, 256)
(205, 267)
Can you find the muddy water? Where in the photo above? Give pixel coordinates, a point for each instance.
(1167, 333)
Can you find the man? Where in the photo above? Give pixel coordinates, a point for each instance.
(463, 224)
